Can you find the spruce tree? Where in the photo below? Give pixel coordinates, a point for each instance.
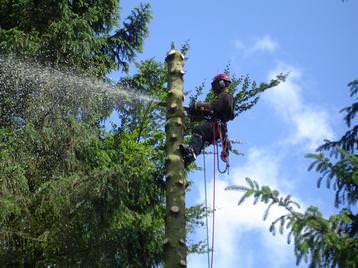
(74, 193)
(85, 35)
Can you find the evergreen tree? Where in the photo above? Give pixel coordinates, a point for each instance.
(323, 242)
(79, 34)
(73, 193)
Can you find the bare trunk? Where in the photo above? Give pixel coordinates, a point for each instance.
(175, 233)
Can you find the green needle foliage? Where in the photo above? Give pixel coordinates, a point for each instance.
(323, 242)
(74, 193)
(85, 35)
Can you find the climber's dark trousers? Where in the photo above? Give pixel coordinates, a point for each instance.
(196, 143)
(203, 134)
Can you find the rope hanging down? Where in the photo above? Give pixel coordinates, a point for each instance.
(206, 208)
(224, 157)
(214, 179)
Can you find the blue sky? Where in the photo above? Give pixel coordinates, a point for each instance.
(317, 42)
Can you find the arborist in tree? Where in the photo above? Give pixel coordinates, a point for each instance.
(214, 116)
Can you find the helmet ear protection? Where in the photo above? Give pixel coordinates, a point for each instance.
(218, 85)
(222, 83)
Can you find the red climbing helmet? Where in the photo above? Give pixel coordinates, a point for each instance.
(220, 81)
(222, 76)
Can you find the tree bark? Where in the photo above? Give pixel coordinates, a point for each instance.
(175, 232)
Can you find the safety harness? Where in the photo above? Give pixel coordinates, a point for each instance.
(218, 133)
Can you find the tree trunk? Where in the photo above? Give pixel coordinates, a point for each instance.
(175, 232)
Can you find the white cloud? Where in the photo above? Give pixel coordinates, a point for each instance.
(265, 43)
(262, 44)
(233, 223)
(310, 124)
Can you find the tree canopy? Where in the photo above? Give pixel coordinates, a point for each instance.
(85, 35)
(72, 192)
